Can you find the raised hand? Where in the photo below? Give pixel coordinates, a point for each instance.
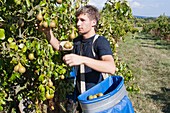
(40, 27)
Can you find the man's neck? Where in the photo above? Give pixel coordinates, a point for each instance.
(88, 35)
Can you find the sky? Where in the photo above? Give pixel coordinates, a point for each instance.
(151, 8)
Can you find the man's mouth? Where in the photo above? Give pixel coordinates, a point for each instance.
(79, 29)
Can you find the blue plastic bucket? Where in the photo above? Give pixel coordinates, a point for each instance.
(114, 100)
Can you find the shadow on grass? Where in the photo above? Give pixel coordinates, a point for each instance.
(155, 46)
(162, 97)
(146, 38)
(157, 43)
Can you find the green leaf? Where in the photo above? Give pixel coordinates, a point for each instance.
(24, 49)
(41, 78)
(12, 45)
(13, 77)
(63, 71)
(18, 2)
(1, 108)
(10, 40)
(117, 5)
(46, 17)
(1, 19)
(19, 97)
(2, 34)
(42, 3)
(28, 3)
(37, 46)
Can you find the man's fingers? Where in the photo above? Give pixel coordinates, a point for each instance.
(68, 62)
(37, 27)
(66, 57)
(40, 28)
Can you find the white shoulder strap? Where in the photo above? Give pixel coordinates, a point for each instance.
(82, 78)
(96, 36)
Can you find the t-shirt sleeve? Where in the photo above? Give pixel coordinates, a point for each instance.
(103, 46)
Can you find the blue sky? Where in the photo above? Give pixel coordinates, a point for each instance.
(153, 8)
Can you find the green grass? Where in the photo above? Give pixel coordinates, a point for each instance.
(149, 59)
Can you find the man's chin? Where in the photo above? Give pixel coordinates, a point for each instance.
(81, 33)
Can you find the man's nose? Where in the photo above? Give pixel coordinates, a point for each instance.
(78, 23)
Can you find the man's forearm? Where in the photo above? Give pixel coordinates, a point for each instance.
(106, 66)
(53, 41)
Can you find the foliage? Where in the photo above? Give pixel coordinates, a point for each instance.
(164, 24)
(158, 27)
(115, 17)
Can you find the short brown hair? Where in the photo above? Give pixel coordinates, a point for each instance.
(92, 12)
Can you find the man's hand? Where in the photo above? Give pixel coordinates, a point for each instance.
(50, 36)
(73, 59)
(40, 27)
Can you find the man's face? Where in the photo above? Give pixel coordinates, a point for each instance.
(84, 24)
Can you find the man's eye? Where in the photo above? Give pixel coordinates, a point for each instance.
(82, 19)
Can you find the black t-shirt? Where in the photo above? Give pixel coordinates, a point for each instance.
(101, 47)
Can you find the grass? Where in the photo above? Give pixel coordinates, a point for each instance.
(149, 59)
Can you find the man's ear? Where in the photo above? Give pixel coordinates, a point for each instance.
(94, 22)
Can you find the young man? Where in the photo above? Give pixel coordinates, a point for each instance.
(87, 20)
(103, 62)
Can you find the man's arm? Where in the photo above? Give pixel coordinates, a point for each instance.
(50, 36)
(53, 41)
(105, 65)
